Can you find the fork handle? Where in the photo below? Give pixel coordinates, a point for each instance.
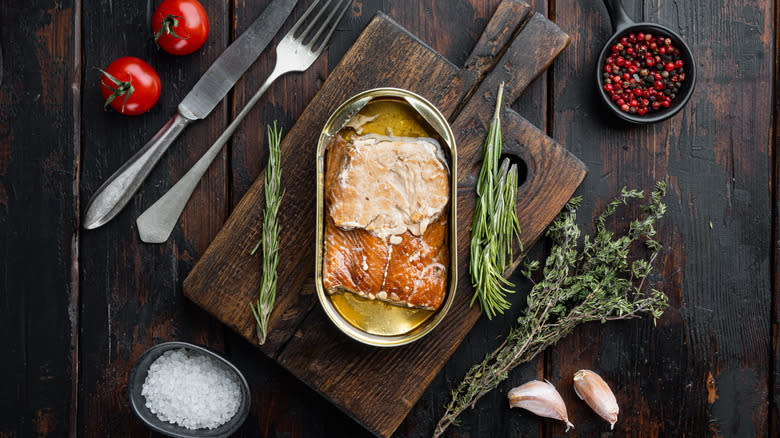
(156, 223)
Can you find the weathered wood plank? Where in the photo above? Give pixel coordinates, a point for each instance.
(319, 411)
(280, 401)
(491, 417)
(774, 381)
(39, 159)
(131, 293)
(283, 102)
(703, 370)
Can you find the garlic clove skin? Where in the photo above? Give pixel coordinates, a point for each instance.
(591, 388)
(542, 399)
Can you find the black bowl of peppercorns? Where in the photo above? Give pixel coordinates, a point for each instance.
(646, 73)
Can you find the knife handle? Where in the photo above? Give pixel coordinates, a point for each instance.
(116, 192)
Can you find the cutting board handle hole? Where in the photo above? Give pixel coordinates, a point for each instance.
(522, 170)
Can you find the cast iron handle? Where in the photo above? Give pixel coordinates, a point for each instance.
(618, 16)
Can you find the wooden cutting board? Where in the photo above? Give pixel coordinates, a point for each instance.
(378, 386)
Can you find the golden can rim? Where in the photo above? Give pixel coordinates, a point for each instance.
(334, 124)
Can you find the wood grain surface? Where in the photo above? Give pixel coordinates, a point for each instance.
(368, 382)
(774, 256)
(79, 306)
(714, 340)
(39, 167)
(134, 307)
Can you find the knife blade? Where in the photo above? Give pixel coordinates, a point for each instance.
(210, 89)
(234, 61)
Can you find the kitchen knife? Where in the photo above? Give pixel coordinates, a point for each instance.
(211, 88)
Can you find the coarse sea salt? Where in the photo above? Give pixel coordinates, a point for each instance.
(191, 389)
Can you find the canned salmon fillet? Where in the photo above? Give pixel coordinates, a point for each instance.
(385, 235)
(386, 247)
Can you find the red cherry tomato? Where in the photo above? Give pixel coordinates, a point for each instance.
(180, 26)
(130, 86)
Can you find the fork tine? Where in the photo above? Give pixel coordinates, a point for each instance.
(332, 27)
(325, 24)
(298, 23)
(302, 37)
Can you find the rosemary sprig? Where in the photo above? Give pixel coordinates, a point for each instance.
(495, 226)
(596, 282)
(270, 239)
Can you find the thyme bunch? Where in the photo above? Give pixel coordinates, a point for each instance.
(495, 226)
(592, 282)
(270, 238)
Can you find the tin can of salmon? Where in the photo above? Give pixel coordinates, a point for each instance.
(385, 288)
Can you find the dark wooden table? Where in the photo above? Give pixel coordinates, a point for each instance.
(78, 307)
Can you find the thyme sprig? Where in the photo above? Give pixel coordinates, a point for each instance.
(270, 238)
(495, 226)
(594, 282)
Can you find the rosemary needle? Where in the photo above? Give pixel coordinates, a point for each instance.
(495, 227)
(270, 238)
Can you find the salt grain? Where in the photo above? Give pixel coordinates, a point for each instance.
(191, 389)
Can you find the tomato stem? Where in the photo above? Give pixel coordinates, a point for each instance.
(168, 24)
(123, 88)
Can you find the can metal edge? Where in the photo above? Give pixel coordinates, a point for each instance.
(434, 117)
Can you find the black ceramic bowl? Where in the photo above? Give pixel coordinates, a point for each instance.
(138, 401)
(623, 26)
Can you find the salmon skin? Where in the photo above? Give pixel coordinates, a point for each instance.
(406, 269)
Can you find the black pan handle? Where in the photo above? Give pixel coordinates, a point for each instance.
(620, 20)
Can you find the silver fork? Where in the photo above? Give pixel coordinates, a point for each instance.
(293, 54)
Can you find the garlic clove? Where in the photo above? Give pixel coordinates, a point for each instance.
(542, 399)
(590, 387)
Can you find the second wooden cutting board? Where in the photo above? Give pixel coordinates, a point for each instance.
(377, 387)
